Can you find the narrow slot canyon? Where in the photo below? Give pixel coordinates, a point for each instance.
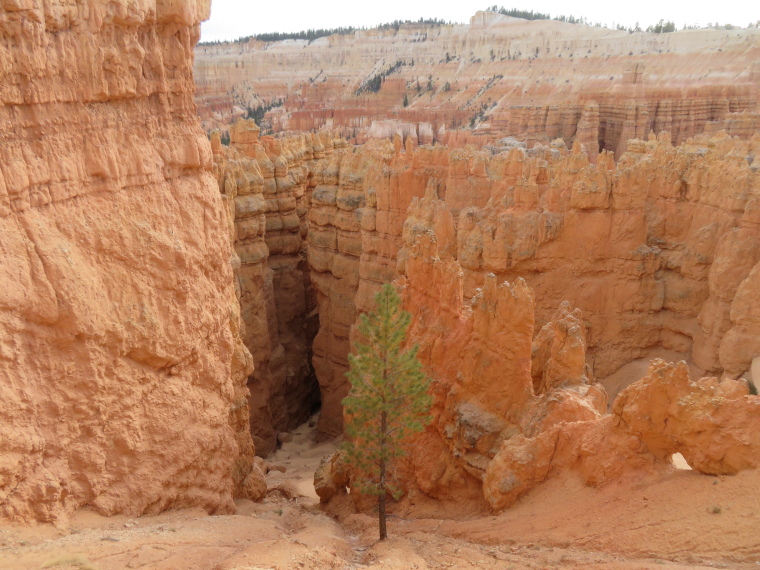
(267, 191)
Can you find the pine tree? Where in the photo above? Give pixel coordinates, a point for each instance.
(388, 401)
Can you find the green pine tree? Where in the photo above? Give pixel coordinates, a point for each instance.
(388, 401)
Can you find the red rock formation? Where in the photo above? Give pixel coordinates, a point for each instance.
(334, 250)
(494, 437)
(269, 181)
(121, 367)
(497, 77)
(712, 424)
(479, 355)
(656, 251)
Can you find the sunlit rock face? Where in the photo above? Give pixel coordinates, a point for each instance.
(497, 432)
(531, 274)
(591, 166)
(711, 423)
(496, 77)
(122, 371)
(656, 251)
(512, 408)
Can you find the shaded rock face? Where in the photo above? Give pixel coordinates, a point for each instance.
(122, 371)
(496, 77)
(269, 182)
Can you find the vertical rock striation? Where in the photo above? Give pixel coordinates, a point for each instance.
(122, 372)
(270, 182)
(496, 77)
(657, 251)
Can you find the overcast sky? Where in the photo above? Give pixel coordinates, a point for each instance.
(231, 19)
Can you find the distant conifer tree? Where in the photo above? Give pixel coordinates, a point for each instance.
(388, 401)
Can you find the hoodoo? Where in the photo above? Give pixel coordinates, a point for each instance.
(191, 234)
(499, 76)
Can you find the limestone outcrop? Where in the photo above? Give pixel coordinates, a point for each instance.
(496, 77)
(480, 354)
(494, 437)
(122, 372)
(336, 249)
(655, 251)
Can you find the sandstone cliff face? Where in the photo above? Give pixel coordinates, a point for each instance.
(494, 436)
(657, 252)
(334, 251)
(496, 77)
(121, 366)
(270, 182)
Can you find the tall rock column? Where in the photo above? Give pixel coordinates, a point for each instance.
(122, 373)
(269, 181)
(588, 130)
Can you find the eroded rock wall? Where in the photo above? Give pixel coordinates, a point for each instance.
(122, 372)
(509, 413)
(713, 424)
(270, 182)
(496, 77)
(334, 255)
(497, 433)
(658, 251)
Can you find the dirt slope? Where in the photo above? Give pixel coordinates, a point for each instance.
(684, 520)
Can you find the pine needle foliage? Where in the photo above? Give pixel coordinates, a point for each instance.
(388, 401)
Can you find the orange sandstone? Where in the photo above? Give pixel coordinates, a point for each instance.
(496, 77)
(122, 372)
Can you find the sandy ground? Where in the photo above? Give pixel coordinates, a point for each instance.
(682, 520)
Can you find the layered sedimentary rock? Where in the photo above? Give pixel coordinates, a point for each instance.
(122, 372)
(496, 436)
(482, 357)
(270, 182)
(340, 252)
(358, 209)
(656, 251)
(496, 77)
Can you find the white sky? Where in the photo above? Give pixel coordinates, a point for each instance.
(231, 19)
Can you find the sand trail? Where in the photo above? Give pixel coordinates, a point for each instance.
(683, 520)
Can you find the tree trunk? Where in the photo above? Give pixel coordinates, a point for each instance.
(381, 510)
(381, 496)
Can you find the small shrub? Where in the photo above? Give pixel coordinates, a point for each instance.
(752, 388)
(715, 509)
(257, 113)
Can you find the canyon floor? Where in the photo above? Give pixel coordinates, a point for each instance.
(683, 520)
